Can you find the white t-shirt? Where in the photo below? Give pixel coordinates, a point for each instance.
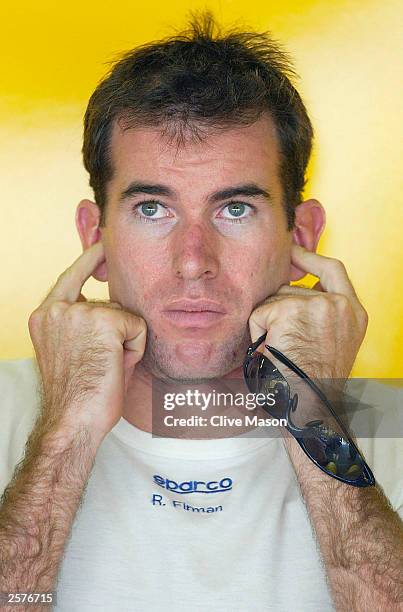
(179, 525)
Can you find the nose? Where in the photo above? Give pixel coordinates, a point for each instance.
(195, 252)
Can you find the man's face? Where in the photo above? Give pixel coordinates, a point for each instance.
(160, 248)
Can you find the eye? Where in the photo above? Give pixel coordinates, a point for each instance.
(150, 210)
(236, 211)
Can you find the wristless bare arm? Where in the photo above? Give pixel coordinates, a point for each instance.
(359, 534)
(38, 508)
(86, 353)
(360, 538)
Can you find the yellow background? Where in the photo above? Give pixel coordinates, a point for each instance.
(349, 57)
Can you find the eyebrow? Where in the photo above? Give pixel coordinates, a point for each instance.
(246, 190)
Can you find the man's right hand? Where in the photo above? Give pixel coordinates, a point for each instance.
(86, 352)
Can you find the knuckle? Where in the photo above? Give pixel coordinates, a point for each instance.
(293, 306)
(34, 319)
(338, 264)
(35, 315)
(264, 308)
(341, 301)
(101, 315)
(363, 317)
(76, 312)
(321, 302)
(142, 325)
(55, 310)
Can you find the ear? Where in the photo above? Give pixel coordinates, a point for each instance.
(310, 221)
(88, 215)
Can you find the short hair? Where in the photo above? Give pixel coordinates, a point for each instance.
(197, 80)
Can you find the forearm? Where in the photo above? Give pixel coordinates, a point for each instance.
(360, 538)
(38, 508)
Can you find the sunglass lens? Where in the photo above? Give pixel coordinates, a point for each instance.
(251, 375)
(263, 377)
(333, 452)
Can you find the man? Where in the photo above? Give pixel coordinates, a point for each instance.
(197, 148)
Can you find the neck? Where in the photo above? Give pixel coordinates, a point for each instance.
(137, 408)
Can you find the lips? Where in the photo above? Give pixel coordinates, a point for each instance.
(196, 306)
(194, 313)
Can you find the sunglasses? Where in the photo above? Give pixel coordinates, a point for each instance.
(324, 440)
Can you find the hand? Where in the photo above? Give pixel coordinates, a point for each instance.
(86, 351)
(320, 329)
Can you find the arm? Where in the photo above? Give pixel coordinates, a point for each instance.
(38, 508)
(360, 538)
(359, 534)
(86, 352)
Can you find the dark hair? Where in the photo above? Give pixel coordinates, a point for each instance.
(193, 81)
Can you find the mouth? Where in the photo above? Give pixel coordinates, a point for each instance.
(183, 318)
(194, 313)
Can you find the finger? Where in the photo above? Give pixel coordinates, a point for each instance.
(318, 287)
(295, 290)
(100, 303)
(331, 272)
(135, 332)
(260, 321)
(114, 305)
(69, 284)
(264, 313)
(287, 291)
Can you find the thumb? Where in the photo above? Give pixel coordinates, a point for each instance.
(134, 345)
(135, 333)
(260, 320)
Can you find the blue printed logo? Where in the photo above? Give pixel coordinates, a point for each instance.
(194, 486)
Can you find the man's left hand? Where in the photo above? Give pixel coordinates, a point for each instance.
(320, 329)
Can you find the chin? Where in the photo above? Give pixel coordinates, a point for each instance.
(195, 359)
(192, 372)
(195, 371)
